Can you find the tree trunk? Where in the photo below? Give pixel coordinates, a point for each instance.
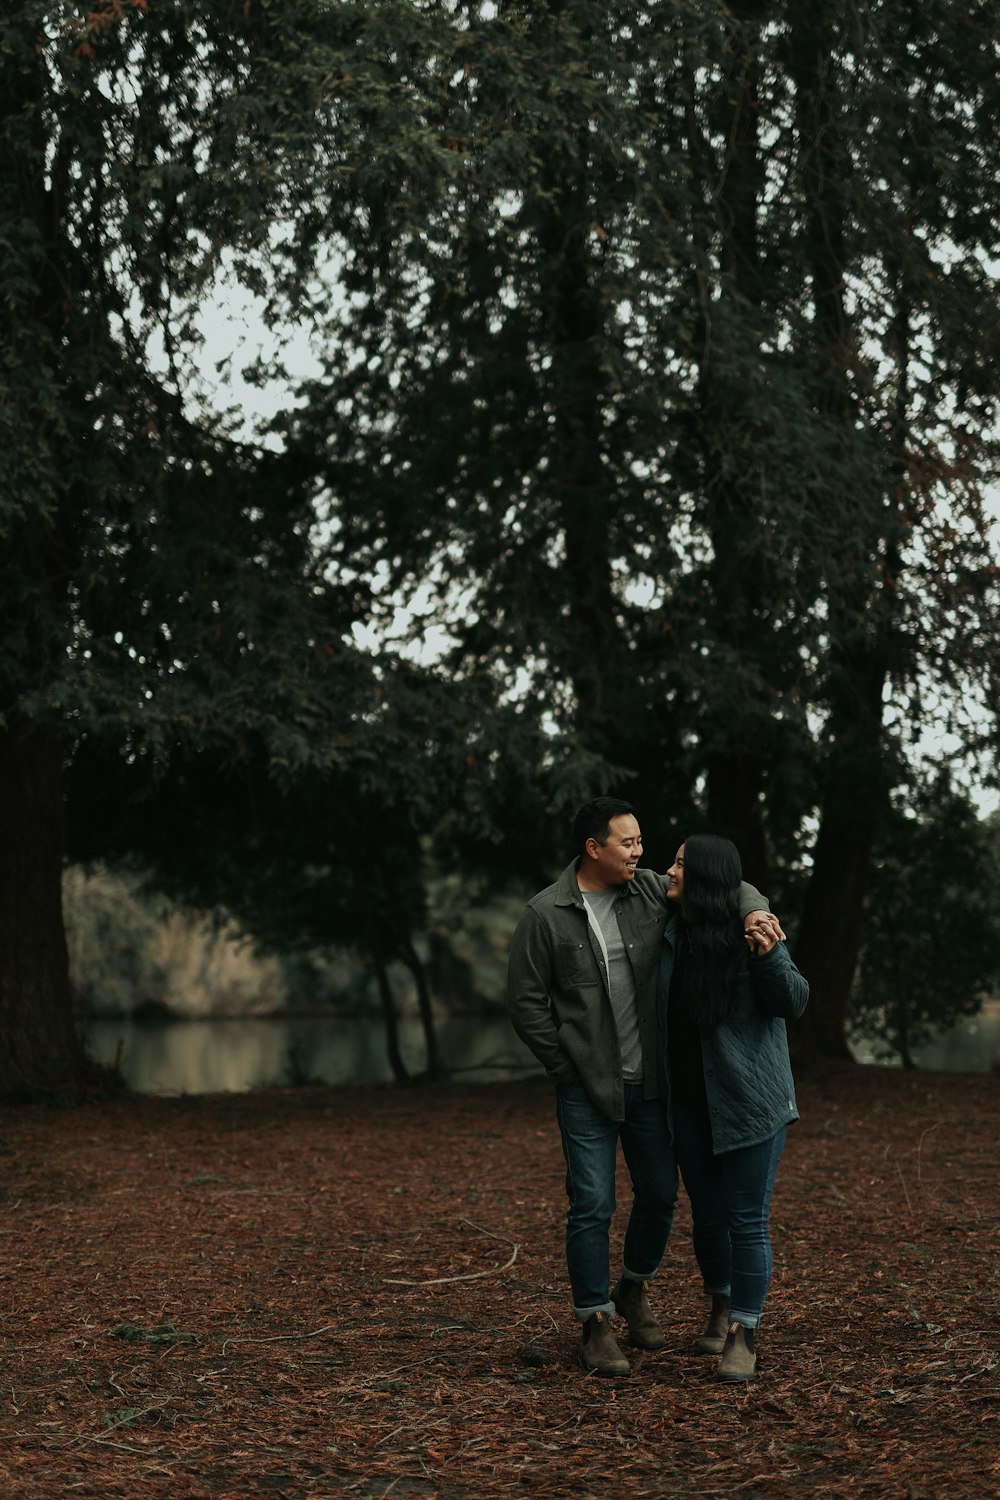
(412, 961)
(903, 1037)
(853, 797)
(580, 388)
(387, 1001)
(390, 1020)
(830, 930)
(728, 411)
(735, 783)
(861, 589)
(903, 991)
(40, 1053)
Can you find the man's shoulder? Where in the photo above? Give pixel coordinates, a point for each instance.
(562, 892)
(651, 885)
(544, 900)
(548, 906)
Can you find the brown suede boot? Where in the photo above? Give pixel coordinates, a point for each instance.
(599, 1351)
(631, 1301)
(713, 1339)
(739, 1360)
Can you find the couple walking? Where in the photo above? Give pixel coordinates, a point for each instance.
(657, 1006)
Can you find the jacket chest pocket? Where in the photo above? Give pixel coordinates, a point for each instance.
(645, 934)
(643, 944)
(577, 964)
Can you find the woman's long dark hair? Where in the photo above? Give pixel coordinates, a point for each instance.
(710, 909)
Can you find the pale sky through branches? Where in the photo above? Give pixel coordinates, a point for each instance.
(237, 340)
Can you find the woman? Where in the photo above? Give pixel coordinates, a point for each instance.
(728, 1085)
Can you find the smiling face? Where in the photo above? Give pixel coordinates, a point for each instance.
(675, 877)
(613, 861)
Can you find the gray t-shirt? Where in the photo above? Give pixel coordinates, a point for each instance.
(621, 981)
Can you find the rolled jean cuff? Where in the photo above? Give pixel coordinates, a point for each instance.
(716, 1291)
(583, 1313)
(745, 1319)
(639, 1276)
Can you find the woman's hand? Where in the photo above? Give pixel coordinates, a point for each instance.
(762, 931)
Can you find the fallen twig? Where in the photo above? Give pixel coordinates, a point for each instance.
(278, 1338)
(128, 1420)
(468, 1275)
(906, 1190)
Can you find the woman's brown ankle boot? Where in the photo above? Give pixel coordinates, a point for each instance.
(713, 1339)
(739, 1359)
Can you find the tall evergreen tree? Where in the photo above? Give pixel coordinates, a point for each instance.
(159, 588)
(675, 389)
(659, 368)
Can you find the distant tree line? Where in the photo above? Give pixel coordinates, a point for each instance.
(658, 367)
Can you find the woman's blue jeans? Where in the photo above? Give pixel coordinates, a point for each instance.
(730, 1205)
(590, 1146)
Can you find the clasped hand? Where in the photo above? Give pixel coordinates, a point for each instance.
(762, 931)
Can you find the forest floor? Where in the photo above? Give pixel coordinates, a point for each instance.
(263, 1295)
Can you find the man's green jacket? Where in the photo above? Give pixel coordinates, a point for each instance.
(557, 983)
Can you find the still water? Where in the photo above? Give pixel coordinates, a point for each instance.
(232, 1056)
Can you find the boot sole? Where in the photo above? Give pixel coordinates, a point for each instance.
(605, 1373)
(650, 1348)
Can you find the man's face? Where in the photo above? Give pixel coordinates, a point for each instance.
(614, 861)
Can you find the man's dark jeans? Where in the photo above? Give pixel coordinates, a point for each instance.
(590, 1143)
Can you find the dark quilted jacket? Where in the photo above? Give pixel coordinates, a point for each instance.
(748, 1077)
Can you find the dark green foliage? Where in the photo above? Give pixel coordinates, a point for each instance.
(676, 395)
(155, 575)
(658, 368)
(671, 320)
(928, 962)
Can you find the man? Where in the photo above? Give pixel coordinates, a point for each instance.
(582, 995)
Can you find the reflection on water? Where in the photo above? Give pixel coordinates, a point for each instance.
(211, 1057)
(973, 1046)
(217, 1056)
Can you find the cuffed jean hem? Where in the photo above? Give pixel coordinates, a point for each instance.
(716, 1291)
(639, 1276)
(744, 1319)
(583, 1313)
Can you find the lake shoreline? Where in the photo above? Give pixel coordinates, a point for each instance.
(166, 1055)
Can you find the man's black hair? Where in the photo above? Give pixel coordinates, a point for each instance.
(594, 819)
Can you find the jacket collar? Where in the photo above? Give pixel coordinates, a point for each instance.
(568, 891)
